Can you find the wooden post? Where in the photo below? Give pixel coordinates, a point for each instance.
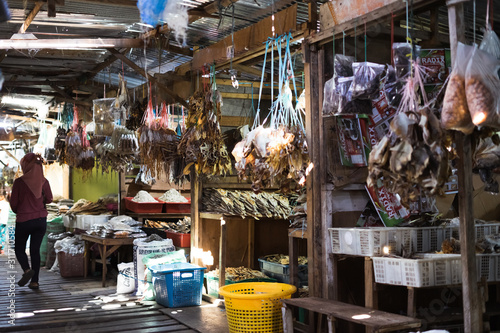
(121, 193)
(412, 303)
(293, 258)
(251, 242)
(471, 302)
(314, 222)
(196, 190)
(222, 253)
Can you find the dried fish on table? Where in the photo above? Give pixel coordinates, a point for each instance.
(85, 207)
(182, 226)
(284, 259)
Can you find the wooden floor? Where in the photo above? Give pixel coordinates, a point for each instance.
(76, 305)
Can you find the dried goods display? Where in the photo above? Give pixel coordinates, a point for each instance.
(182, 226)
(119, 151)
(284, 259)
(173, 195)
(60, 145)
(85, 207)
(246, 203)
(240, 273)
(486, 158)
(136, 114)
(143, 196)
(202, 144)
(298, 217)
(275, 151)
(412, 157)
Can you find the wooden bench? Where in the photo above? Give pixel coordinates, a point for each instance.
(377, 321)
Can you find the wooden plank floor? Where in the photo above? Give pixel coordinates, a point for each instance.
(76, 305)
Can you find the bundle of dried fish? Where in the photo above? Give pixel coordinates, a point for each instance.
(119, 151)
(412, 157)
(284, 259)
(240, 274)
(202, 144)
(60, 145)
(182, 226)
(73, 148)
(246, 203)
(486, 159)
(136, 112)
(268, 155)
(85, 207)
(298, 217)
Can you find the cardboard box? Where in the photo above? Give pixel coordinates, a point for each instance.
(381, 110)
(388, 206)
(354, 148)
(435, 63)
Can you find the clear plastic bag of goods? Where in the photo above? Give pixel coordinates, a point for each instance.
(71, 245)
(490, 43)
(103, 116)
(125, 283)
(143, 247)
(330, 98)
(402, 58)
(455, 114)
(366, 81)
(481, 89)
(343, 65)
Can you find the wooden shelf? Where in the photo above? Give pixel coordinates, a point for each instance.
(157, 215)
(297, 233)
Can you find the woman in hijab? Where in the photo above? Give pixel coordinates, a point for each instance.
(30, 193)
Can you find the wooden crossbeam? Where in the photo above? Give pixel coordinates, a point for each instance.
(142, 72)
(30, 17)
(63, 43)
(39, 83)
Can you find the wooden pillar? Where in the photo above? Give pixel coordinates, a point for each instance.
(314, 222)
(222, 253)
(471, 301)
(196, 191)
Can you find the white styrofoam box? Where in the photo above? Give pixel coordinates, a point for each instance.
(69, 221)
(429, 270)
(79, 223)
(90, 220)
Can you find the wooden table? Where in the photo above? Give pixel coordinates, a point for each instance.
(377, 321)
(106, 247)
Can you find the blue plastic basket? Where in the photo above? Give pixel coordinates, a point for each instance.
(177, 285)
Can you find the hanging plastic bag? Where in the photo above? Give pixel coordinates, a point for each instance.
(343, 65)
(177, 18)
(151, 11)
(392, 87)
(481, 88)
(366, 81)
(455, 113)
(348, 105)
(330, 100)
(402, 58)
(490, 43)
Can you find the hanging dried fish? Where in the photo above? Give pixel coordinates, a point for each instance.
(412, 157)
(202, 144)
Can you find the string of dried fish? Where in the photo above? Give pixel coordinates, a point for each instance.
(412, 157)
(119, 152)
(202, 144)
(246, 203)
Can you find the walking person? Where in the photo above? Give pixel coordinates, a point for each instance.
(30, 193)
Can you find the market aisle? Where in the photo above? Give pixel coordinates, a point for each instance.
(71, 305)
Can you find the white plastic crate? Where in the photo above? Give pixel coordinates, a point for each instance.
(369, 241)
(480, 229)
(427, 271)
(426, 239)
(487, 266)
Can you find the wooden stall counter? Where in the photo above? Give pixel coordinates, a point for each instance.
(106, 247)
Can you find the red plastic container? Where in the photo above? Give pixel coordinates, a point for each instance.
(178, 207)
(143, 207)
(179, 240)
(69, 265)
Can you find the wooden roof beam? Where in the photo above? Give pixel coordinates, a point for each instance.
(142, 72)
(30, 17)
(88, 43)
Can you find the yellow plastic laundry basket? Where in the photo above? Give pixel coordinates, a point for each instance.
(255, 306)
